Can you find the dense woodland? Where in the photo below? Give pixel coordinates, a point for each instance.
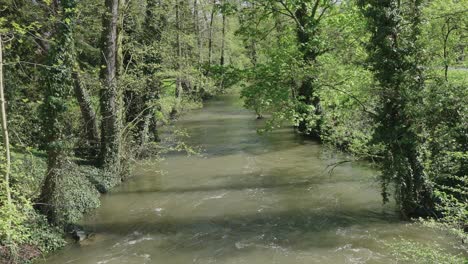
(86, 85)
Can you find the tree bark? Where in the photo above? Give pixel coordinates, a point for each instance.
(197, 30)
(57, 92)
(402, 165)
(148, 128)
(178, 91)
(223, 36)
(111, 123)
(6, 139)
(306, 31)
(210, 37)
(154, 25)
(446, 55)
(87, 112)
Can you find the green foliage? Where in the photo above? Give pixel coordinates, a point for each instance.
(12, 229)
(75, 195)
(20, 225)
(395, 56)
(348, 104)
(444, 27)
(224, 77)
(406, 251)
(13, 217)
(270, 86)
(446, 157)
(45, 237)
(454, 212)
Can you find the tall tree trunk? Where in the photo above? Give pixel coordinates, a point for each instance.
(57, 92)
(141, 106)
(253, 52)
(87, 112)
(210, 37)
(110, 95)
(6, 139)
(251, 42)
(197, 30)
(148, 126)
(395, 132)
(120, 34)
(445, 45)
(223, 39)
(306, 31)
(178, 91)
(154, 25)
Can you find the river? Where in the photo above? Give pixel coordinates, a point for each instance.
(248, 198)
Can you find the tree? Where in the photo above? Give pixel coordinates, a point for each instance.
(307, 22)
(154, 25)
(307, 18)
(223, 31)
(143, 60)
(395, 59)
(58, 81)
(445, 28)
(110, 94)
(6, 139)
(197, 31)
(87, 112)
(178, 91)
(211, 33)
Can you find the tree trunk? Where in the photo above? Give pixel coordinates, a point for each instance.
(446, 52)
(87, 112)
(154, 25)
(148, 126)
(120, 34)
(253, 52)
(223, 40)
(6, 138)
(57, 92)
(307, 91)
(110, 102)
(178, 91)
(197, 30)
(402, 166)
(210, 37)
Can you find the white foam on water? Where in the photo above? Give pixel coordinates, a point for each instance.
(136, 241)
(105, 261)
(241, 245)
(216, 196)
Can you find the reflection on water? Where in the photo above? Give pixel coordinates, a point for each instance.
(248, 199)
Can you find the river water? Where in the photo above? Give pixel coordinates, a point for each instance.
(248, 198)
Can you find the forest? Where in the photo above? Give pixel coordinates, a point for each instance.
(92, 89)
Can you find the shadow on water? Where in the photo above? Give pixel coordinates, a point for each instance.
(291, 228)
(223, 145)
(254, 181)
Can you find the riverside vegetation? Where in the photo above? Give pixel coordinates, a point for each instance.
(86, 85)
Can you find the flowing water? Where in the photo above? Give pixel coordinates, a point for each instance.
(248, 198)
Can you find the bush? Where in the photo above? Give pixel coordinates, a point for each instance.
(75, 195)
(24, 234)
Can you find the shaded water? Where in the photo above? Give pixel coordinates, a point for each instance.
(248, 199)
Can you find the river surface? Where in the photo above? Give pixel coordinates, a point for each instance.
(248, 198)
